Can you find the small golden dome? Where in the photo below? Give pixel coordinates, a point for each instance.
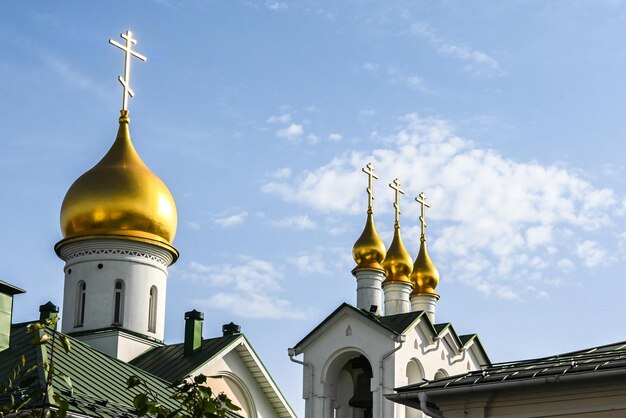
(425, 276)
(369, 249)
(120, 196)
(398, 263)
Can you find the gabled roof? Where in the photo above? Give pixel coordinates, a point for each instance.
(9, 289)
(591, 362)
(398, 324)
(96, 385)
(170, 363)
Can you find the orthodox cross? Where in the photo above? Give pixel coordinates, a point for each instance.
(369, 170)
(128, 52)
(421, 199)
(396, 186)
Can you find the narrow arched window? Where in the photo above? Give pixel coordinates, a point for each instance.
(118, 302)
(80, 303)
(152, 309)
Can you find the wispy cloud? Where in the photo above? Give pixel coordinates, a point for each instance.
(397, 76)
(592, 254)
(300, 222)
(371, 67)
(416, 83)
(68, 72)
(194, 225)
(276, 5)
(249, 289)
(335, 136)
(282, 173)
(498, 221)
(309, 264)
(474, 61)
(227, 221)
(293, 131)
(283, 118)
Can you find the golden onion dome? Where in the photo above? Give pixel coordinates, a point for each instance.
(398, 263)
(424, 276)
(120, 197)
(369, 250)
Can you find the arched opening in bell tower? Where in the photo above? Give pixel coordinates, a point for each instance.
(348, 386)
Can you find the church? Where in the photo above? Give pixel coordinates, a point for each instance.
(387, 356)
(118, 222)
(356, 356)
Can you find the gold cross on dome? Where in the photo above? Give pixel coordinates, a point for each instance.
(128, 53)
(395, 185)
(369, 170)
(421, 199)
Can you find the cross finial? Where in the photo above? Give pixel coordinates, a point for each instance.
(128, 52)
(369, 170)
(421, 199)
(395, 185)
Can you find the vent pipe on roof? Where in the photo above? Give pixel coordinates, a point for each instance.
(193, 331)
(231, 329)
(49, 312)
(7, 292)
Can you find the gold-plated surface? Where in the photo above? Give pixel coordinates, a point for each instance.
(369, 250)
(421, 199)
(128, 53)
(398, 263)
(369, 170)
(425, 276)
(120, 196)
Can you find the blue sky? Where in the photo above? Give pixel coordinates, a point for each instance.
(259, 116)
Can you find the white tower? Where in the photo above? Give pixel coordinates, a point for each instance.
(398, 265)
(424, 276)
(118, 222)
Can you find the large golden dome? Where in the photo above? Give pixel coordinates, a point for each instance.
(120, 197)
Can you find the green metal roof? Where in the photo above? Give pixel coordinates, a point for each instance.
(98, 382)
(170, 363)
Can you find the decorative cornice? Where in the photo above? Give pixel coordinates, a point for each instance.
(112, 247)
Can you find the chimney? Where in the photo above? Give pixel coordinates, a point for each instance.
(231, 329)
(7, 292)
(193, 331)
(50, 312)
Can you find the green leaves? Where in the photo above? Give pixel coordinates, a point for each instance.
(196, 400)
(132, 382)
(65, 343)
(142, 404)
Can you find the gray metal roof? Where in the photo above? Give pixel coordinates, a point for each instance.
(589, 362)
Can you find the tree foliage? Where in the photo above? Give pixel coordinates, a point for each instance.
(195, 399)
(24, 395)
(19, 398)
